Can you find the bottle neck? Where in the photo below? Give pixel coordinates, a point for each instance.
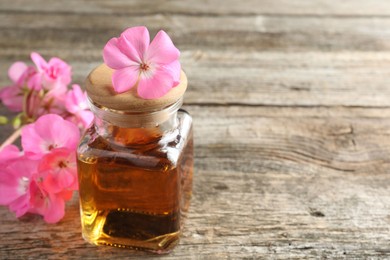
(127, 127)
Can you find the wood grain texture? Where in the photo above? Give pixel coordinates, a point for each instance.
(270, 182)
(248, 33)
(290, 101)
(202, 7)
(273, 78)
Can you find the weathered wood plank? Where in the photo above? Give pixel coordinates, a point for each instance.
(288, 183)
(247, 33)
(203, 7)
(290, 79)
(275, 79)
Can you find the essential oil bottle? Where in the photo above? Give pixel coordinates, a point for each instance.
(135, 167)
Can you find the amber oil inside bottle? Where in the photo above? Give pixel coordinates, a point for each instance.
(135, 180)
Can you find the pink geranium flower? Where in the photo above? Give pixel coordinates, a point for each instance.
(43, 176)
(15, 182)
(154, 68)
(55, 74)
(60, 166)
(22, 189)
(76, 103)
(50, 205)
(37, 186)
(21, 76)
(47, 133)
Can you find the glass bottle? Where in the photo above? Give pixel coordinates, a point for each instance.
(135, 174)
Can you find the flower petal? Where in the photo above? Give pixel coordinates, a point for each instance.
(57, 131)
(66, 194)
(55, 209)
(12, 98)
(62, 71)
(50, 206)
(9, 153)
(114, 57)
(59, 170)
(175, 69)
(48, 132)
(162, 50)
(31, 141)
(124, 79)
(76, 100)
(35, 81)
(21, 205)
(38, 61)
(85, 118)
(8, 188)
(14, 180)
(136, 38)
(16, 71)
(157, 85)
(56, 181)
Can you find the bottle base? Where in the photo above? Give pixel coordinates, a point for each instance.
(159, 245)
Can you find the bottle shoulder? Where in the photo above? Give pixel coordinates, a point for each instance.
(164, 152)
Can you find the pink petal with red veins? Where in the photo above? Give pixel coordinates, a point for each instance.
(156, 86)
(38, 61)
(16, 71)
(114, 57)
(175, 69)
(135, 39)
(62, 71)
(162, 50)
(48, 132)
(58, 170)
(124, 79)
(60, 66)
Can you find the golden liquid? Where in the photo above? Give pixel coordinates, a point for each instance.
(134, 195)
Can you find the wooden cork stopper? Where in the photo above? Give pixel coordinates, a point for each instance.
(100, 91)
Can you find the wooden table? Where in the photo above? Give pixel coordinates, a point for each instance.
(291, 107)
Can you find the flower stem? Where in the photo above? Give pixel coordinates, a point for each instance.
(11, 138)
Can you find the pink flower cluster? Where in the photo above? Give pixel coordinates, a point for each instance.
(43, 89)
(42, 177)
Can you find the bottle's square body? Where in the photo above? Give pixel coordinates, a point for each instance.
(132, 194)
